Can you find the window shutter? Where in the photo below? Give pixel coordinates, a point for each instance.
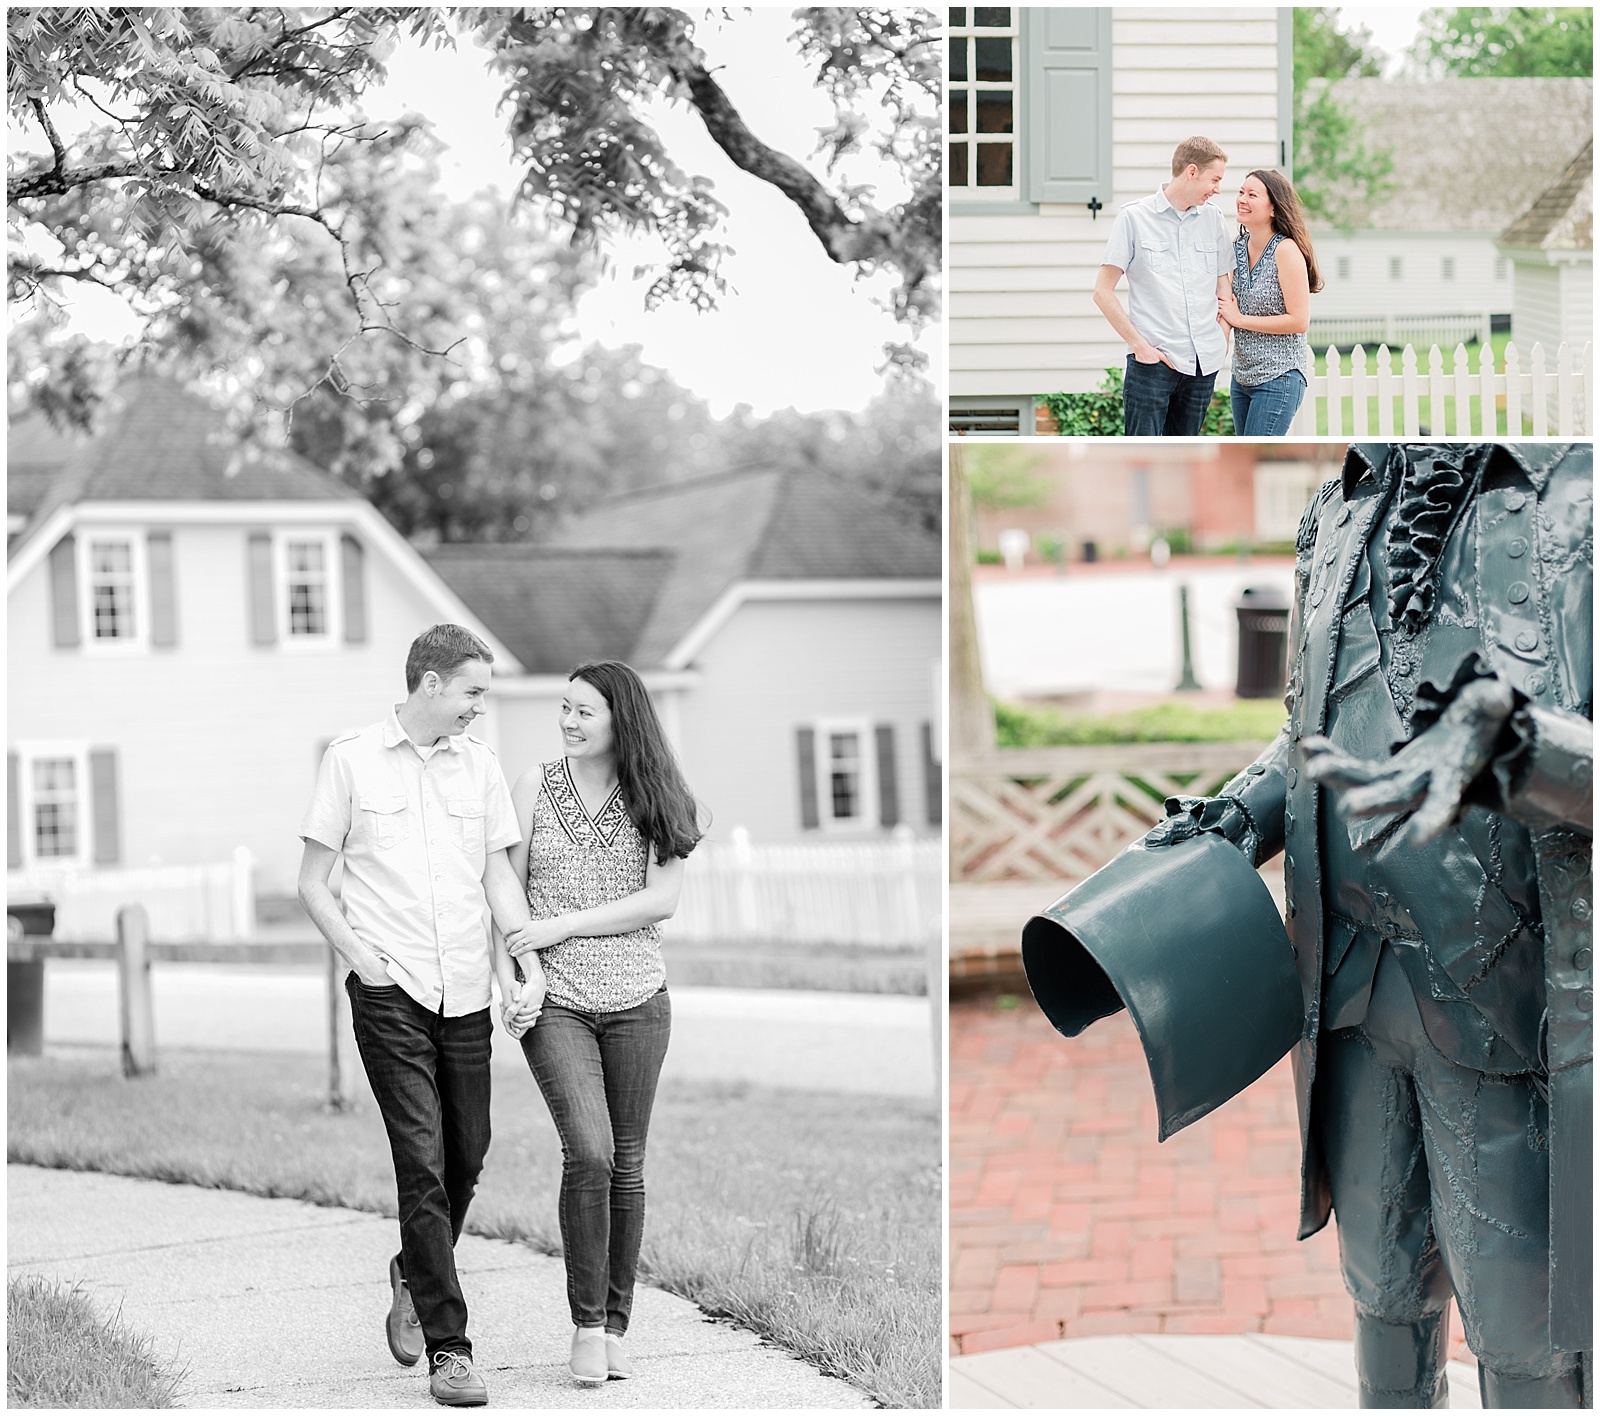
(13, 815)
(806, 742)
(163, 590)
(355, 596)
(107, 819)
(64, 592)
(263, 612)
(932, 779)
(888, 785)
(1069, 104)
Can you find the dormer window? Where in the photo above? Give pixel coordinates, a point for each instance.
(111, 590)
(307, 596)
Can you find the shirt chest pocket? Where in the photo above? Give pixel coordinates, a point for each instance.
(386, 819)
(1203, 257)
(466, 822)
(1158, 256)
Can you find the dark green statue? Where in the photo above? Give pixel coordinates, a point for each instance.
(1431, 794)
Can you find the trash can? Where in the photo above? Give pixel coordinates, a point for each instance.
(1263, 642)
(25, 975)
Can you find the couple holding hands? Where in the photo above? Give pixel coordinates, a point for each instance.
(576, 867)
(1189, 285)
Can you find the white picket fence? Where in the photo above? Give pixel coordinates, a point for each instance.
(187, 904)
(1553, 401)
(870, 894)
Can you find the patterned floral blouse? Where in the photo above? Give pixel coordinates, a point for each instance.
(1259, 358)
(576, 862)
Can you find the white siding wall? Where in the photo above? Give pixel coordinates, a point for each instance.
(217, 738)
(777, 666)
(1369, 292)
(1554, 303)
(1022, 315)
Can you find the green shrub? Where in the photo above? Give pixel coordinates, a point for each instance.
(1099, 414)
(1247, 720)
(988, 557)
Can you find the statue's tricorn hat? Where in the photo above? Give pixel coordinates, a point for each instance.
(1187, 938)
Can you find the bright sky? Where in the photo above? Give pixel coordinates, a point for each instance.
(1393, 29)
(794, 329)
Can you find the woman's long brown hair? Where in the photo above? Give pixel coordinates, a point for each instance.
(1289, 218)
(653, 789)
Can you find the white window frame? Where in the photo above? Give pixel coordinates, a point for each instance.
(971, 191)
(1342, 267)
(1397, 268)
(334, 633)
(27, 754)
(862, 728)
(1447, 267)
(139, 570)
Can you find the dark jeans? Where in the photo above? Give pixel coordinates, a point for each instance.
(1266, 410)
(1158, 401)
(430, 1076)
(598, 1074)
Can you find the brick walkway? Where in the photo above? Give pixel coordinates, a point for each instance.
(1067, 1219)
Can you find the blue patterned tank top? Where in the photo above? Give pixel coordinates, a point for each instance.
(1259, 358)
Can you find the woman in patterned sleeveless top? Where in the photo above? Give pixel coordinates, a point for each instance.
(605, 832)
(1274, 276)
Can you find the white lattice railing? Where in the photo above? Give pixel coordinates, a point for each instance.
(186, 903)
(1524, 399)
(866, 893)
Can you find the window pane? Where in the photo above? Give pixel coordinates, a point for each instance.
(958, 18)
(305, 556)
(994, 164)
(958, 113)
(994, 60)
(113, 612)
(112, 558)
(994, 113)
(306, 610)
(991, 17)
(958, 60)
(52, 774)
(55, 829)
(958, 165)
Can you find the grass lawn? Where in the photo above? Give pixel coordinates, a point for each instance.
(61, 1353)
(1425, 414)
(1245, 720)
(812, 1218)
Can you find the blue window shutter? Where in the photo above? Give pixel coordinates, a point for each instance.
(1069, 105)
(263, 612)
(107, 818)
(932, 779)
(13, 815)
(64, 592)
(888, 784)
(352, 558)
(806, 745)
(163, 590)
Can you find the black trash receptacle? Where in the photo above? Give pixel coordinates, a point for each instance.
(1263, 642)
(25, 977)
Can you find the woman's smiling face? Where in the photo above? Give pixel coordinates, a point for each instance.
(585, 721)
(1253, 204)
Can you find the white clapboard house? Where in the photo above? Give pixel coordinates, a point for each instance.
(1058, 116)
(1421, 264)
(188, 629)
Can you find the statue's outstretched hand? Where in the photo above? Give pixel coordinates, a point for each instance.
(1430, 774)
(1176, 828)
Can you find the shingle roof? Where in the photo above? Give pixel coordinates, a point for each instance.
(1562, 217)
(554, 608)
(754, 524)
(156, 442)
(1469, 154)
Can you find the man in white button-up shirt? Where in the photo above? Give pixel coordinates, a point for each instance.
(1177, 253)
(420, 811)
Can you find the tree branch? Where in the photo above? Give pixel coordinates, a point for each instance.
(54, 138)
(844, 239)
(57, 182)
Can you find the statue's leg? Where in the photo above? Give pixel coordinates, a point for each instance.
(1560, 1390)
(1371, 1136)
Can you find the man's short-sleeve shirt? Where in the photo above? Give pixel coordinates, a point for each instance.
(415, 826)
(1172, 260)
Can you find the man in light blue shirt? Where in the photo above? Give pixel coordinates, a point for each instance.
(1177, 253)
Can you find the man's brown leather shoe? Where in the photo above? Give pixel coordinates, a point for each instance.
(402, 1328)
(454, 1383)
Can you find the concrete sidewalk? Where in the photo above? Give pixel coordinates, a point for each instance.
(278, 1303)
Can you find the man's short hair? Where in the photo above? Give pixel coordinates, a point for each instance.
(1200, 151)
(444, 649)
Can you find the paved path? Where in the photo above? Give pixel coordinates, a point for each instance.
(875, 1043)
(1068, 1220)
(277, 1303)
(1165, 1373)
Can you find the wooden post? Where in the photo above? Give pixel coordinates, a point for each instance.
(346, 1077)
(138, 1011)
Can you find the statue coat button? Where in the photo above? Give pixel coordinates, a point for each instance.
(1516, 547)
(1518, 592)
(1527, 640)
(1515, 501)
(1580, 960)
(1581, 909)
